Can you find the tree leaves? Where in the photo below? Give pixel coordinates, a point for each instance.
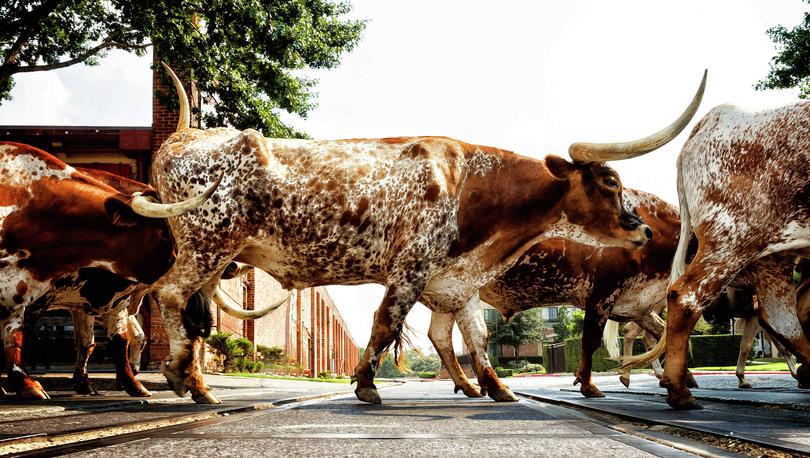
(791, 65)
(246, 56)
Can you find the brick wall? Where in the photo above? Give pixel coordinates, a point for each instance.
(272, 329)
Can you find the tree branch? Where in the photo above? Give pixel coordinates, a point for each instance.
(32, 21)
(80, 58)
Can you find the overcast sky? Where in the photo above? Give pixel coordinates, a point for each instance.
(532, 77)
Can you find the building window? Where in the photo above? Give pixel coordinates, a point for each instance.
(552, 313)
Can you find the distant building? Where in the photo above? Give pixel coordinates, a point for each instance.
(550, 317)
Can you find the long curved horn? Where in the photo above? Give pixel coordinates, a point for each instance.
(235, 270)
(184, 121)
(146, 206)
(598, 152)
(232, 308)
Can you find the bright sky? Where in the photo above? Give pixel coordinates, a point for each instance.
(532, 77)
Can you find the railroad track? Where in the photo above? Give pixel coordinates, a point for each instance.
(757, 423)
(115, 424)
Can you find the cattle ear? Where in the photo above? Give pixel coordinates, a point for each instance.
(559, 167)
(120, 213)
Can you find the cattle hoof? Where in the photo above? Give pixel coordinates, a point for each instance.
(85, 387)
(683, 403)
(745, 385)
(690, 381)
(803, 376)
(137, 390)
(353, 379)
(502, 395)
(174, 380)
(577, 381)
(470, 391)
(369, 395)
(591, 391)
(206, 397)
(483, 391)
(33, 391)
(625, 381)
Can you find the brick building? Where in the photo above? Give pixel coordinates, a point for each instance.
(308, 327)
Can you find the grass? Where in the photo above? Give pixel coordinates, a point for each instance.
(768, 365)
(287, 377)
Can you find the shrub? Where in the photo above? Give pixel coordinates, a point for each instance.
(326, 374)
(272, 355)
(427, 374)
(505, 360)
(708, 350)
(501, 372)
(517, 364)
(227, 348)
(534, 368)
(246, 345)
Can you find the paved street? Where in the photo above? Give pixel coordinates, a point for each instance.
(415, 419)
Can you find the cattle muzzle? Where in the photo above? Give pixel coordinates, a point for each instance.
(639, 232)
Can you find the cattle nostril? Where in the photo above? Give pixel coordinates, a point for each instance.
(648, 232)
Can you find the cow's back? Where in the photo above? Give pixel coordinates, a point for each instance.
(749, 167)
(354, 205)
(559, 271)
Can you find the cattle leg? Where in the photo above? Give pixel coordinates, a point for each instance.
(85, 343)
(592, 329)
(137, 342)
(182, 370)
(388, 322)
(779, 316)
(790, 360)
(631, 331)
(689, 295)
(749, 332)
(11, 329)
(119, 347)
(441, 334)
(471, 322)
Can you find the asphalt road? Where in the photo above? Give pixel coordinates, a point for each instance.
(415, 419)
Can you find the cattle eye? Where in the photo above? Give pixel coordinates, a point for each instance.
(611, 183)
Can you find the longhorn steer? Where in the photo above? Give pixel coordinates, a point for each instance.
(430, 217)
(57, 225)
(616, 283)
(744, 192)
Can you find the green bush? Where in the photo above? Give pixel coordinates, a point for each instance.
(505, 360)
(326, 374)
(427, 374)
(272, 355)
(719, 350)
(501, 372)
(228, 349)
(708, 350)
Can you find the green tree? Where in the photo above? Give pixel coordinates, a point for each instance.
(524, 327)
(245, 56)
(790, 67)
(418, 362)
(563, 326)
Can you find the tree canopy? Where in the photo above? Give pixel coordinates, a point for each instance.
(790, 67)
(524, 327)
(246, 57)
